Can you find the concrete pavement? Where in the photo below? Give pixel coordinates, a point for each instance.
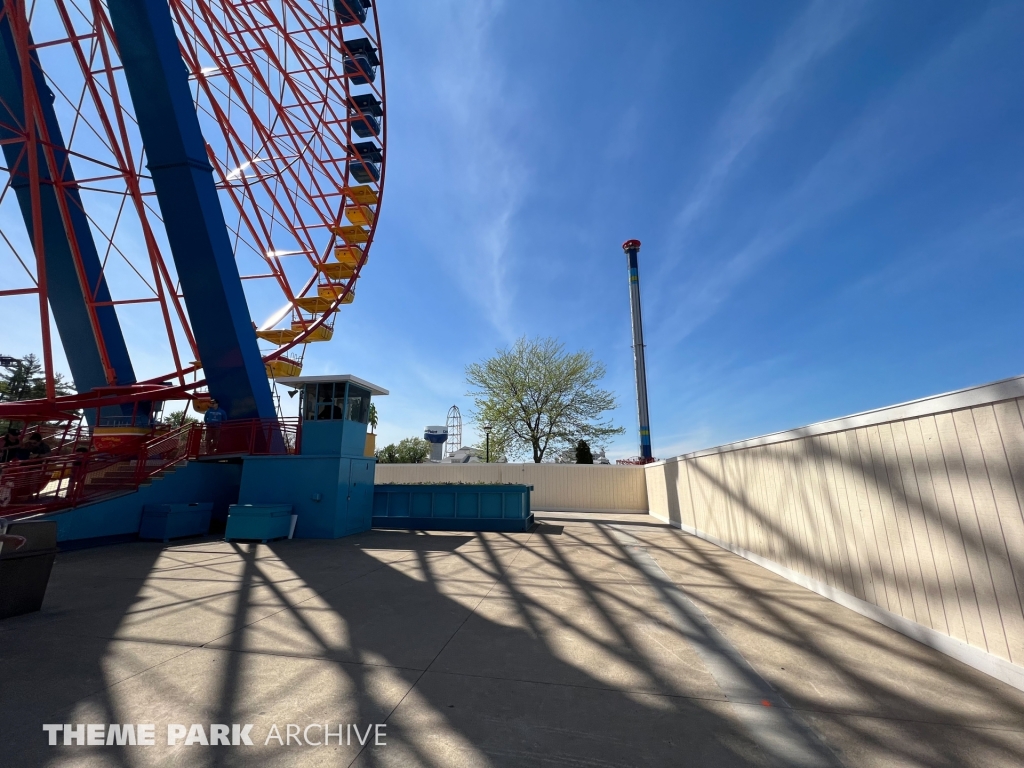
(562, 647)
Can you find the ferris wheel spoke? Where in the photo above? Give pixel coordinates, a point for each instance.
(280, 107)
(267, 230)
(17, 256)
(106, 254)
(226, 176)
(123, 156)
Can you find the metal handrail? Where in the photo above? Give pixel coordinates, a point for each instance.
(252, 437)
(55, 483)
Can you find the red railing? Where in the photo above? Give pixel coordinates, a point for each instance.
(57, 482)
(61, 436)
(52, 483)
(249, 437)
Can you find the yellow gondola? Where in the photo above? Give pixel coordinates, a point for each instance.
(323, 333)
(360, 214)
(333, 271)
(331, 291)
(282, 367)
(277, 335)
(364, 195)
(352, 234)
(314, 304)
(349, 254)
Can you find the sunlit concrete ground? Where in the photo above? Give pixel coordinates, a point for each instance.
(536, 649)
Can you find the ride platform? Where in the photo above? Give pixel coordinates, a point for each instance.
(482, 649)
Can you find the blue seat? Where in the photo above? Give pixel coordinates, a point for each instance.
(350, 11)
(365, 161)
(367, 151)
(364, 173)
(360, 61)
(366, 126)
(365, 112)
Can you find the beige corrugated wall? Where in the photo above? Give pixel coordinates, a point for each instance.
(556, 487)
(922, 516)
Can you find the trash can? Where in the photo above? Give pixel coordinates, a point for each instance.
(24, 573)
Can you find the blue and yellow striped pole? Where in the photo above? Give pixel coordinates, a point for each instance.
(632, 248)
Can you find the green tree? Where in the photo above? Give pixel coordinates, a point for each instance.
(372, 420)
(538, 397)
(411, 450)
(387, 455)
(178, 419)
(583, 454)
(25, 379)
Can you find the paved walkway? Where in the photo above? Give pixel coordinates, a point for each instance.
(581, 644)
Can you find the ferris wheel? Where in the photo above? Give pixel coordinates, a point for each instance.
(189, 191)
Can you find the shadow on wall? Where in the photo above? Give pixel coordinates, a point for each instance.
(921, 517)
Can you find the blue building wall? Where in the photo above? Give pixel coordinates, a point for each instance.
(196, 481)
(333, 438)
(332, 495)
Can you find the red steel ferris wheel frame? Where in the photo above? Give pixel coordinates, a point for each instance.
(301, 193)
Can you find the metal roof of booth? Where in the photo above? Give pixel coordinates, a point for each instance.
(298, 381)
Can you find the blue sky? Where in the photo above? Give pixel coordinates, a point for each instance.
(829, 196)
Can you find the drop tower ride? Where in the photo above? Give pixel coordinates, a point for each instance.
(632, 250)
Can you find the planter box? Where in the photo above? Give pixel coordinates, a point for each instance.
(262, 522)
(453, 507)
(173, 521)
(25, 573)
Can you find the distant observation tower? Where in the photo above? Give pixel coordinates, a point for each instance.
(632, 248)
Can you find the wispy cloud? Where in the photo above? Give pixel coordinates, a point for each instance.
(960, 245)
(755, 108)
(484, 176)
(921, 114)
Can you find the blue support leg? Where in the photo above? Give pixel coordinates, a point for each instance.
(196, 230)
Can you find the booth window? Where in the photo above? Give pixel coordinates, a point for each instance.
(309, 403)
(326, 402)
(358, 404)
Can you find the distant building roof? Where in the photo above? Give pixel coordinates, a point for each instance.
(465, 455)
